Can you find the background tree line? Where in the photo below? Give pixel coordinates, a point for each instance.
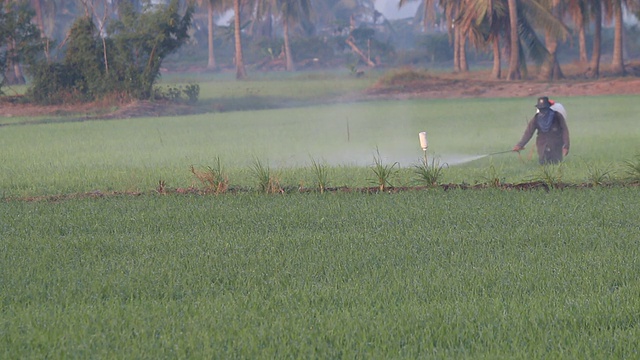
(119, 45)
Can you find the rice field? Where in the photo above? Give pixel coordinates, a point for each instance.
(457, 274)
(135, 154)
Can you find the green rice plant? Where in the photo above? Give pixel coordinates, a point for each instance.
(632, 169)
(429, 175)
(383, 173)
(57, 155)
(213, 178)
(267, 182)
(402, 276)
(550, 175)
(597, 176)
(321, 174)
(492, 178)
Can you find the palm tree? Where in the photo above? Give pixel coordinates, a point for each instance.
(241, 72)
(485, 20)
(13, 71)
(554, 30)
(452, 11)
(617, 62)
(292, 11)
(427, 11)
(579, 12)
(212, 6)
(514, 46)
(594, 65)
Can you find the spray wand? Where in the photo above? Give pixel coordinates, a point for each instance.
(501, 152)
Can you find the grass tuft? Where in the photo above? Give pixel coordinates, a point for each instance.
(632, 169)
(383, 173)
(551, 175)
(213, 178)
(597, 176)
(267, 182)
(493, 178)
(320, 170)
(429, 175)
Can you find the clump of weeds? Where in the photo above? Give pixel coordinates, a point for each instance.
(632, 169)
(267, 182)
(493, 178)
(320, 170)
(597, 176)
(162, 187)
(551, 175)
(213, 178)
(383, 173)
(429, 175)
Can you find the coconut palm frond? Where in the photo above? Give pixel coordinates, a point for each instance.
(540, 17)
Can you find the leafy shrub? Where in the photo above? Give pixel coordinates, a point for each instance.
(177, 93)
(127, 61)
(55, 83)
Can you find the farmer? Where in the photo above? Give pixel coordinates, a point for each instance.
(553, 134)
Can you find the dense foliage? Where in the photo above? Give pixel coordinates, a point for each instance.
(125, 62)
(19, 39)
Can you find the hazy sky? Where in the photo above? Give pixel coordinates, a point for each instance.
(389, 8)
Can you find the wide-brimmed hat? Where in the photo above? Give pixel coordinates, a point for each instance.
(543, 103)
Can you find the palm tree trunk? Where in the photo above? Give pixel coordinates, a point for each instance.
(37, 6)
(241, 73)
(594, 66)
(464, 64)
(496, 70)
(551, 68)
(287, 49)
(13, 72)
(582, 39)
(514, 54)
(211, 64)
(456, 49)
(617, 64)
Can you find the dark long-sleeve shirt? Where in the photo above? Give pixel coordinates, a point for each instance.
(550, 143)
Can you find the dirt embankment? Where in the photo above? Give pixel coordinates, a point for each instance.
(462, 85)
(455, 88)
